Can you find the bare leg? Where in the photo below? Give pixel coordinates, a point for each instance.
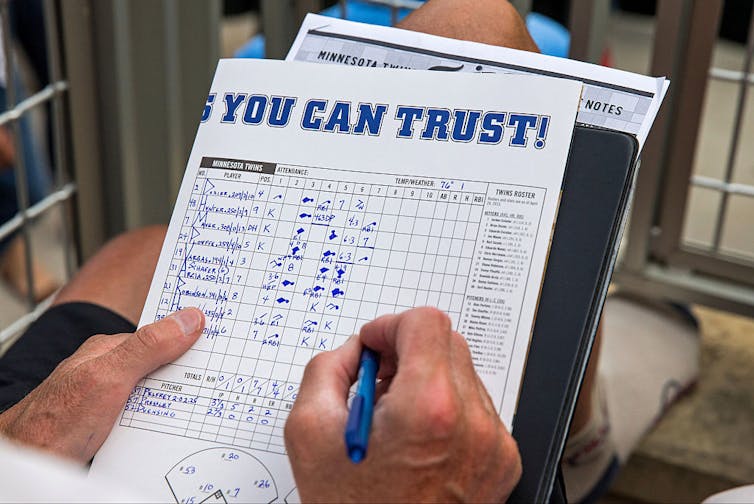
(13, 270)
(118, 276)
(583, 410)
(494, 22)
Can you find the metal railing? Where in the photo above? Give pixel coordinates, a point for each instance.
(139, 71)
(64, 188)
(127, 85)
(726, 187)
(658, 260)
(108, 146)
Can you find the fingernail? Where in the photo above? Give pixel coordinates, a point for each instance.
(189, 319)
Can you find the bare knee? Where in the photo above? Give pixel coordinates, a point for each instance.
(136, 251)
(146, 241)
(494, 22)
(118, 275)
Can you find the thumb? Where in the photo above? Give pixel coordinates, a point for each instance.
(156, 344)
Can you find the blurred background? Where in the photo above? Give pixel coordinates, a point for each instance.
(100, 100)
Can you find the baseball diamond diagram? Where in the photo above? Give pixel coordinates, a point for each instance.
(224, 475)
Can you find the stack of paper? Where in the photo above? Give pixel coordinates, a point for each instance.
(317, 198)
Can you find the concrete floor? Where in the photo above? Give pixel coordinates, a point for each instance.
(704, 442)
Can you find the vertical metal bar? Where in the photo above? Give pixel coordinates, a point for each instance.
(743, 92)
(393, 15)
(52, 39)
(85, 129)
(59, 146)
(280, 20)
(19, 168)
(173, 91)
(690, 85)
(671, 33)
(301, 9)
(587, 21)
(275, 26)
(175, 43)
(343, 9)
(198, 32)
(579, 18)
(125, 175)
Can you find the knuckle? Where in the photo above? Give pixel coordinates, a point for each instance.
(148, 337)
(426, 322)
(296, 419)
(441, 411)
(291, 427)
(95, 340)
(509, 444)
(507, 456)
(487, 431)
(298, 427)
(68, 363)
(432, 315)
(461, 348)
(92, 342)
(512, 458)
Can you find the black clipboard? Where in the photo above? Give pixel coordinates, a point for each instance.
(594, 204)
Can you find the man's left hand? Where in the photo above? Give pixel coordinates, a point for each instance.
(73, 410)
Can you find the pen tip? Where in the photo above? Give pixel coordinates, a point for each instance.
(356, 455)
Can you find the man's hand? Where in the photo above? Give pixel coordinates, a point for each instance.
(73, 410)
(435, 435)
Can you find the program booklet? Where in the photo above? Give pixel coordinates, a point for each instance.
(317, 198)
(611, 99)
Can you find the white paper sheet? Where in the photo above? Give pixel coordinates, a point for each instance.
(613, 99)
(289, 237)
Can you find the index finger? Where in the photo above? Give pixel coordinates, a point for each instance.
(419, 340)
(329, 375)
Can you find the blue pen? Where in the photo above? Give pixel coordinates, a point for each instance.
(360, 417)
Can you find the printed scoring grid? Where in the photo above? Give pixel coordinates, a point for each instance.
(285, 266)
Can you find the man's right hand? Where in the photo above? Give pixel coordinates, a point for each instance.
(435, 435)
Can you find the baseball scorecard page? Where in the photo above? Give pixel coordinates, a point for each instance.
(315, 199)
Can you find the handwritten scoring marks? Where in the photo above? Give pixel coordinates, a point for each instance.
(289, 261)
(221, 475)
